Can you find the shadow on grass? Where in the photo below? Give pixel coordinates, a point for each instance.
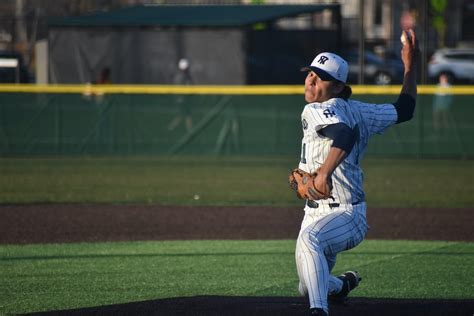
(228, 305)
(226, 254)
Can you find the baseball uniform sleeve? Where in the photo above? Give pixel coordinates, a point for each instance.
(378, 117)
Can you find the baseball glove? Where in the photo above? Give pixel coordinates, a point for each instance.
(302, 183)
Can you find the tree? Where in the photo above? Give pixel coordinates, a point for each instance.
(439, 20)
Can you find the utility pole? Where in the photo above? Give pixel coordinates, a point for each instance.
(361, 42)
(424, 44)
(21, 39)
(21, 36)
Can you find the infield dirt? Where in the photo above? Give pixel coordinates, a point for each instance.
(51, 223)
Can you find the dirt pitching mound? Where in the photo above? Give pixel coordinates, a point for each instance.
(283, 306)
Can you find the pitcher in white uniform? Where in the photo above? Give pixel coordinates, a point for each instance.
(336, 131)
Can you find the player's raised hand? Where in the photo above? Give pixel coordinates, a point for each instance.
(409, 50)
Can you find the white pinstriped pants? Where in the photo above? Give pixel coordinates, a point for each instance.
(324, 233)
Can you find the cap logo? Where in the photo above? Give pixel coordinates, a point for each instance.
(323, 59)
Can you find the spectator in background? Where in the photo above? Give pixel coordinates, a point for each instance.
(442, 103)
(104, 76)
(182, 77)
(97, 94)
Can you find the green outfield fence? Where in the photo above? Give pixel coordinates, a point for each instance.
(241, 120)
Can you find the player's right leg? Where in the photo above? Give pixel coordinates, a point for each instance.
(340, 286)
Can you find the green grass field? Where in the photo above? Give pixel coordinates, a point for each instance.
(222, 181)
(65, 276)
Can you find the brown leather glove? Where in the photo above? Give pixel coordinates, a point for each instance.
(303, 184)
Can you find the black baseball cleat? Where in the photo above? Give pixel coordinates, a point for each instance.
(317, 312)
(350, 280)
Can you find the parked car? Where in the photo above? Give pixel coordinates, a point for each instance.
(11, 74)
(456, 64)
(377, 70)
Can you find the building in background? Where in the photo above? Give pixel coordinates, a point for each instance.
(226, 45)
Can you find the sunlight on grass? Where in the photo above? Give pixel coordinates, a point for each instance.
(65, 276)
(222, 181)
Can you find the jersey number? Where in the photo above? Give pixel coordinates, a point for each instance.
(357, 132)
(303, 154)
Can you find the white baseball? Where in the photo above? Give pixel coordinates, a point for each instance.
(196, 196)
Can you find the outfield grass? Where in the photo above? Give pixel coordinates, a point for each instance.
(64, 276)
(222, 181)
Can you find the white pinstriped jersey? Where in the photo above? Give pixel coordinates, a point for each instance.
(367, 119)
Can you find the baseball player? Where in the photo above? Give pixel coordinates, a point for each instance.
(336, 130)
